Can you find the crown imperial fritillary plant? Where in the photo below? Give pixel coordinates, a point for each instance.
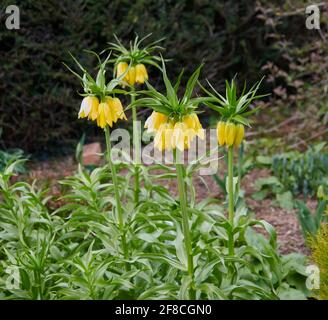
(107, 112)
(234, 112)
(130, 65)
(131, 61)
(174, 119)
(175, 123)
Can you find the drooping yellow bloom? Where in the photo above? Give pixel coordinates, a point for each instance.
(168, 144)
(159, 140)
(131, 76)
(154, 121)
(240, 132)
(193, 123)
(179, 135)
(141, 73)
(116, 109)
(103, 114)
(135, 74)
(171, 134)
(106, 112)
(230, 133)
(220, 132)
(94, 112)
(88, 104)
(121, 68)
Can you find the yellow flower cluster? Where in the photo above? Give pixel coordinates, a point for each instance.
(106, 112)
(137, 74)
(230, 134)
(172, 134)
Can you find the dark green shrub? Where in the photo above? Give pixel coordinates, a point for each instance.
(38, 104)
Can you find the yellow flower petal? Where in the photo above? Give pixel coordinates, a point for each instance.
(88, 103)
(141, 73)
(159, 118)
(107, 112)
(240, 132)
(220, 131)
(230, 133)
(178, 136)
(121, 68)
(132, 76)
(189, 121)
(101, 119)
(119, 109)
(94, 110)
(168, 135)
(149, 123)
(159, 140)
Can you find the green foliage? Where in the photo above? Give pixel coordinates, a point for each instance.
(243, 165)
(135, 54)
(75, 252)
(10, 156)
(310, 222)
(302, 173)
(294, 173)
(319, 247)
(232, 107)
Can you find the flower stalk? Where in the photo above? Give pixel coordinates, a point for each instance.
(185, 218)
(231, 200)
(136, 148)
(116, 192)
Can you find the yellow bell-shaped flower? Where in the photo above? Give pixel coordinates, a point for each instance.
(141, 73)
(89, 104)
(154, 121)
(178, 136)
(159, 140)
(230, 133)
(121, 68)
(240, 132)
(103, 114)
(131, 76)
(220, 132)
(194, 126)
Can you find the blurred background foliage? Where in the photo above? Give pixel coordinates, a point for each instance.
(38, 98)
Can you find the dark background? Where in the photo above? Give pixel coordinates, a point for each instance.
(38, 96)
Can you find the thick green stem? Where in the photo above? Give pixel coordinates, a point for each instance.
(136, 149)
(185, 220)
(117, 193)
(231, 199)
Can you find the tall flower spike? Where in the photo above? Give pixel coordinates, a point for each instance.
(175, 118)
(99, 104)
(233, 109)
(133, 59)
